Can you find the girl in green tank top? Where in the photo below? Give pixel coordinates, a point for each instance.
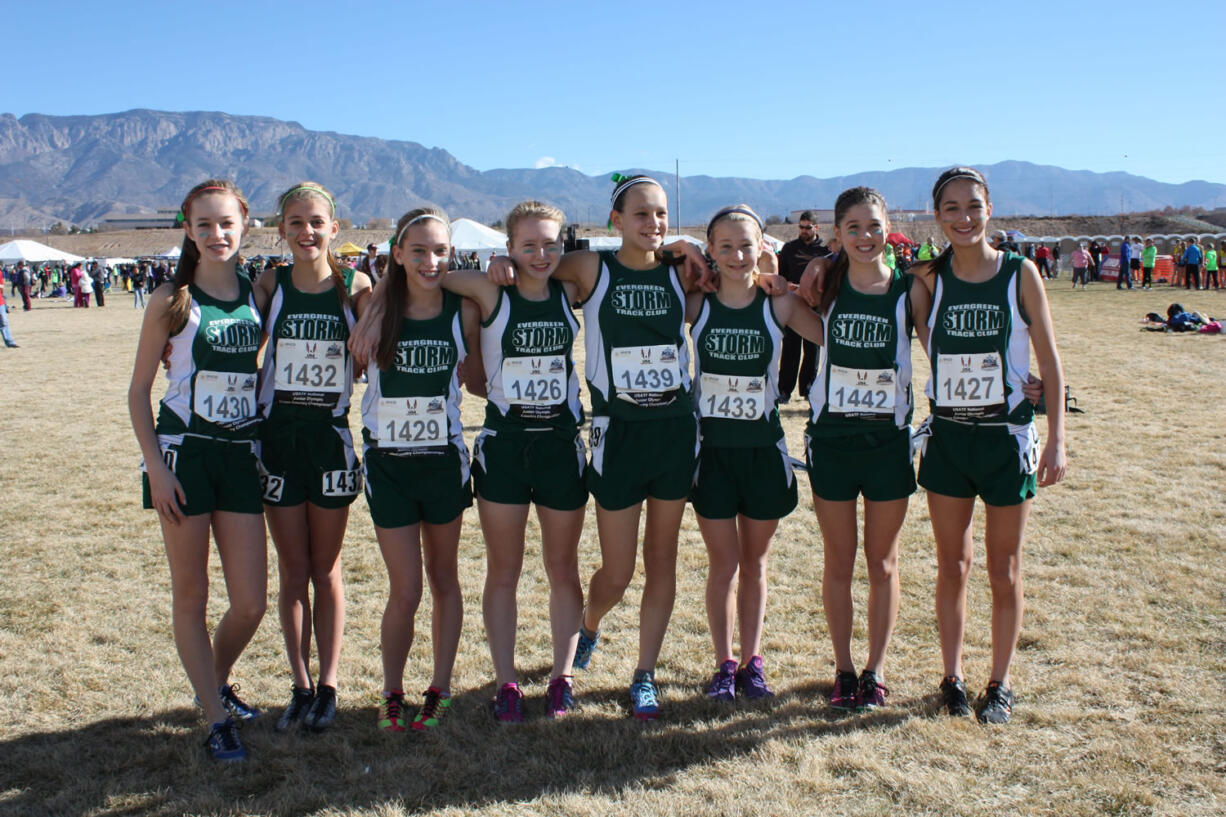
(634, 312)
(744, 483)
(305, 389)
(210, 408)
(980, 327)
(861, 408)
(419, 347)
(522, 326)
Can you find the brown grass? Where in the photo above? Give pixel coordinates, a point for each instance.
(1120, 671)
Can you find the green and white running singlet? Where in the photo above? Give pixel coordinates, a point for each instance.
(979, 347)
(637, 360)
(413, 408)
(863, 379)
(308, 372)
(212, 369)
(526, 347)
(736, 381)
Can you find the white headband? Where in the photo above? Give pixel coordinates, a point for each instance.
(628, 183)
(416, 219)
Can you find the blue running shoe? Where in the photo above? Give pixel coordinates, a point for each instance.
(644, 697)
(585, 648)
(224, 744)
(235, 705)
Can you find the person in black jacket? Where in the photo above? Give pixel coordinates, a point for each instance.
(793, 258)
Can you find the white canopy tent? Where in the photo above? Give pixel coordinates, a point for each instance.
(32, 251)
(468, 235)
(614, 242)
(173, 252)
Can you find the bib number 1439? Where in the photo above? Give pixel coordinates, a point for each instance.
(646, 368)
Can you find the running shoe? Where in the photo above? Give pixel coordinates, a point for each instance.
(843, 696)
(585, 648)
(299, 704)
(238, 710)
(953, 692)
(723, 683)
(872, 693)
(751, 680)
(391, 712)
(224, 743)
(644, 697)
(508, 704)
(433, 710)
(560, 697)
(997, 704)
(322, 713)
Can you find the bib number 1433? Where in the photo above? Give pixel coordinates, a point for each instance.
(730, 397)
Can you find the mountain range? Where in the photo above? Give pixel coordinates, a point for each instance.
(77, 169)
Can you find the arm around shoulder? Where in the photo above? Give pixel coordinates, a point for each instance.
(1052, 461)
(797, 315)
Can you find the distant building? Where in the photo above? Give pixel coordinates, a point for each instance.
(827, 216)
(163, 219)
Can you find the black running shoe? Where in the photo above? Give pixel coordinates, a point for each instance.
(323, 709)
(953, 693)
(299, 705)
(996, 704)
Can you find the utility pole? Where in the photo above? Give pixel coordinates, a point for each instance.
(677, 173)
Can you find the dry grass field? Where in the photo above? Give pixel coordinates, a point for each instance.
(1119, 674)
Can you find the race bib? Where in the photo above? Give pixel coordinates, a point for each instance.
(342, 483)
(645, 374)
(225, 398)
(732, 397)
(971, 385)
(310, 372)
(862, 392)
(534, 381)
(412, 422)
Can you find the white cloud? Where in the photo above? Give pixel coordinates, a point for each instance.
(549, 161)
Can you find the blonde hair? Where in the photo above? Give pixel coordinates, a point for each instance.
(306, 190)
(532, 209)
(737, 212)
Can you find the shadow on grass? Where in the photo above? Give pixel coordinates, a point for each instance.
(157, 765)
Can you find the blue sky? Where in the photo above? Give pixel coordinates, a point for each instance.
(730, 89)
